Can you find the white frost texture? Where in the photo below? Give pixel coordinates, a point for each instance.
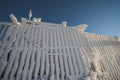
(47, 51)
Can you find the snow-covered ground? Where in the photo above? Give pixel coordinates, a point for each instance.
(48, 51)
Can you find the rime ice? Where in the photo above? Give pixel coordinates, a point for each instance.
(35, 50)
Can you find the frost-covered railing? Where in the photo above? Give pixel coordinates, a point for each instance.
(41, 52)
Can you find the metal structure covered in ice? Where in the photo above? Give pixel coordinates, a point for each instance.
(35, 50)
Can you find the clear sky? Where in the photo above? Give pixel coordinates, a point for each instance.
(102, 16)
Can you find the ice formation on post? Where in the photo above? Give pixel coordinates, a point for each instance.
(35, 50)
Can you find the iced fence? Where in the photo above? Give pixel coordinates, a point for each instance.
(42, 52)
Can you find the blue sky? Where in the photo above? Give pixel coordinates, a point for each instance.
(102, 16)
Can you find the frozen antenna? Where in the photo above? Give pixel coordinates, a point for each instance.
(30, 14)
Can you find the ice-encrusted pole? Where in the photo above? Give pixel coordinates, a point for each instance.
(14, 20)
(32, 63)
(82, 27)
(71, 50)
(95, 62)
(37, 19)
(64, 23)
